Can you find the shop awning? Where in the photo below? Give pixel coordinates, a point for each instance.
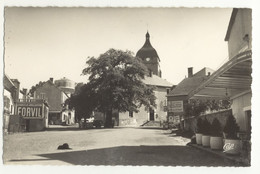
(230, 79)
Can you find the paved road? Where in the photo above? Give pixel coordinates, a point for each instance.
(118, 146)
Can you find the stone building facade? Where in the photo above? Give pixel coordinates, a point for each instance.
(56, 93)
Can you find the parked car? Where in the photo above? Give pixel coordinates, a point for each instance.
(86, 125)
(98, 123)
(90, 123)
(90, 120)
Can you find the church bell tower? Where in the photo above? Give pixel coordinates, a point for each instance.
(150, 57)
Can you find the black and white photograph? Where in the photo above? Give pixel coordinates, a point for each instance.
(128, 86)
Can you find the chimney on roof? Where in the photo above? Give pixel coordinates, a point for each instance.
(15, 93)
(24, 93)
(51, 80)
(190, 72)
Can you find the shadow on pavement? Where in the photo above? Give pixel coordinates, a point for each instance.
(139, 156)
(146, 127)
(74, 128)
(19, 160)
(186, 134)
(64, 129)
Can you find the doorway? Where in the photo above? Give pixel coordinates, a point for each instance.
(151, 115)
(248, 124)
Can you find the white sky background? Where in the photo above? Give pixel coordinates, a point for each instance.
(54, 42)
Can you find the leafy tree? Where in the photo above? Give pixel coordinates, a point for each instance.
(115, 79)
(215, 129)
(83, 101)
(199, 125)
(231, 128)
(195, 106)
(205, 127)
(33, 88)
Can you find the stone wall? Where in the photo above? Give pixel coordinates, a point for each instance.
(190, 123)
(15, 124)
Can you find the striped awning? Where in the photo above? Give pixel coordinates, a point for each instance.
(232, 78)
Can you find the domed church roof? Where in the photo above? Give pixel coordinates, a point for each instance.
(147, 50)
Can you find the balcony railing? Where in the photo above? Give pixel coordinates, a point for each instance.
(32, 101)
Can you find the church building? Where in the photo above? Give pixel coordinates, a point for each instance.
(162, 87)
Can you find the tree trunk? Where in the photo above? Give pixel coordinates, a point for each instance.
(85, 121)
(109, 122)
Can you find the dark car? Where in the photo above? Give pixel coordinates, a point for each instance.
(98, 123)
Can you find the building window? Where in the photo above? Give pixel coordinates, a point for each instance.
(168, 90)
(42, 95)
(64, 117)
(131, 114)
(11, 109)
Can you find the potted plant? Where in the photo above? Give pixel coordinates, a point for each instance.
(216, 140)
(232, 144)
(206, 133)
(199, 131)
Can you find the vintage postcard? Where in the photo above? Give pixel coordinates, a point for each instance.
(158, 87)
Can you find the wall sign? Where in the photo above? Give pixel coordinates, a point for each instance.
(29, 111)
(175, 106)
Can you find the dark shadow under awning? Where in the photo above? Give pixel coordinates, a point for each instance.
(230, 79)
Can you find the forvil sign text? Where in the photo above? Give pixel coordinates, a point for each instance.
(29, 111)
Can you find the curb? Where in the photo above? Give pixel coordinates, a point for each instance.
(238, 160)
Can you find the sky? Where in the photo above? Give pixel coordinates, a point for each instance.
(44, 42)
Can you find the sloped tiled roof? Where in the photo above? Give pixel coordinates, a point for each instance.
(8, 84)
(203, 72)
(187, 85)
(157, 81)
(47, 82)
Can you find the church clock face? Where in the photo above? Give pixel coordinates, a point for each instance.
(148, 59)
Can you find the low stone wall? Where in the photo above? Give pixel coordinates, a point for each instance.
(190, 123)
(15, 124)
(128, 122)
